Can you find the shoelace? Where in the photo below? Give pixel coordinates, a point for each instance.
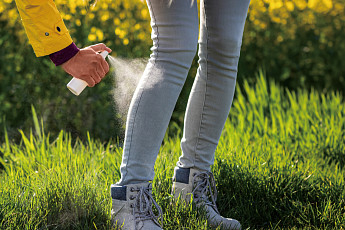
(143, 206)
(205, 189)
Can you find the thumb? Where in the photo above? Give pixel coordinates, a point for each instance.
(100, 47)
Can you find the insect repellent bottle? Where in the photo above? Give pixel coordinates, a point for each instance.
(76, 85)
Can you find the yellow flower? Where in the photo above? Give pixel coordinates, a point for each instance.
(127, 6)
(280, 38)
(142, 36)
(67, 17)
(301, 4)
(78, 22)
(125, 41)
(144, 13)
(290, 6)
(275, 4)
(122, 34)
(117, 31)
(117, 21)
(105, 16)
(137, 27)
(122, 15)
(320, 6)
(99, 34)
(92, 37)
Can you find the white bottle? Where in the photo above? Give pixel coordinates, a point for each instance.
(76, 85)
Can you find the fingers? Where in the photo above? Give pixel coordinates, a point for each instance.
(101, 71)
(89, 80)
(100, 47)
(97, 75)
(95, 70)
(108, 49)
(104, 67)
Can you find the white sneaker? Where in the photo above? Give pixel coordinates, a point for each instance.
(188, 182)
(132, 207)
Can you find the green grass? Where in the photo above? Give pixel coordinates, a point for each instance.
(279, 165)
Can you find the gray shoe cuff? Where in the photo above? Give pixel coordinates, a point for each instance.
(118, 192)
(181, 175)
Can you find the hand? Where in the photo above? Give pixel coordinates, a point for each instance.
(88, 64)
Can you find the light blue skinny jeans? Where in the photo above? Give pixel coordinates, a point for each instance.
(175, 30)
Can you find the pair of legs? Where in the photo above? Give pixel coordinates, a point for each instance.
(175, 30)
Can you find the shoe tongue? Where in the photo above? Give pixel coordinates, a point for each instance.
(145, 185)
(143, 199)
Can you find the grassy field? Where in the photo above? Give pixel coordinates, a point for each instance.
(279, 165)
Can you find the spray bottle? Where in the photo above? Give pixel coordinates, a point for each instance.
(76, 85)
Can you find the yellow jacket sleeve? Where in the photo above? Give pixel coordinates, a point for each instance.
(44, 26)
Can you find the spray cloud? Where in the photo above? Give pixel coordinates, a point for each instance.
(127, 73)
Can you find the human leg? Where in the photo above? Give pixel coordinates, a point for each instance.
(222, 23)
(221, 28)
(174, 35)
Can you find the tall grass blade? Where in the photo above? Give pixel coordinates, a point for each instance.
(36, 123)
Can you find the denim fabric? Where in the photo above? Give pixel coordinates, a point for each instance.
(175, 30)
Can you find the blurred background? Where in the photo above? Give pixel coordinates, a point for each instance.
(298, 43)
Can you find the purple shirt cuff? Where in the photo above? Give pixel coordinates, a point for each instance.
(64, 55)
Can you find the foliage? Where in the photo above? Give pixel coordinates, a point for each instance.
(279, 165)
(298, 43)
